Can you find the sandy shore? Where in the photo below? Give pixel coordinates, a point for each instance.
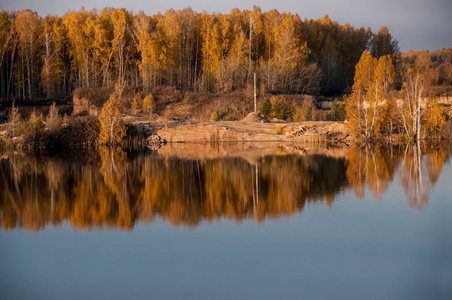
(251, 129)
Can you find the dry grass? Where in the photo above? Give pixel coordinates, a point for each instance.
(235, 105)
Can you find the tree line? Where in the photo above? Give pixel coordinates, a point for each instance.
(49, 57)
(435, 66)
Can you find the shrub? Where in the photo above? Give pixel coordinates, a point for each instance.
(338, 111)
(149, 104)
(80, 132)
(214, 117)
(13, 120)
(280, 109)
(436, 118)
(35, 136)
(35, 122)
(279, 129)
(54, 120)
(304, 112)
(21, 128)
(266, 108)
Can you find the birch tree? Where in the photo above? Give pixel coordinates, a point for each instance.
(28, 25)
(368, 104)
(112, 128)
(410, 107)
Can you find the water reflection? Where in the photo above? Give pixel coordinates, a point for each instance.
(111, 191)
(419, 174)
(418, 169)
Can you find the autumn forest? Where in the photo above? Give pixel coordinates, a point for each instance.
(50, 56)
(235, 154)
(117, 52)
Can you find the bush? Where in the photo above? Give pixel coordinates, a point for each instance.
(13, 120)
(35, 137)
(149, 104)
(35, 122)
(80, 132)
(304, 112)
(338, 111)
(280, 109)
(266, 108)
(135, 138)
(54, 120)
(214, 117)
(435, 115)
(279, 129)
(21, 128)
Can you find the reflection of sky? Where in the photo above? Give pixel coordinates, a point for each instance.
(417, 24)
(360, 250)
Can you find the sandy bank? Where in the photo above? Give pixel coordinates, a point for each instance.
(250, 129)
(254, 132)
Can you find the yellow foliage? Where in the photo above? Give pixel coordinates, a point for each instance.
(214, 117)
(112, 128)
(149, 104)
(435, 116)
(368, 105)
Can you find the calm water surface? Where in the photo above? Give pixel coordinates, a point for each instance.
(287, 223)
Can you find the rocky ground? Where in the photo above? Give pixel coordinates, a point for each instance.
(253, 128)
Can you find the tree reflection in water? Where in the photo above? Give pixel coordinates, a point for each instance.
(419, 173)
(111, 191)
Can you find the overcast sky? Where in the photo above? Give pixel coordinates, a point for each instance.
(416, 24)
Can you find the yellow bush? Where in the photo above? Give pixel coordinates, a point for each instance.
(214, 117)
(149, 104)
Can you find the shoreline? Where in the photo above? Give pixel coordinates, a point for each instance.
(251, 129)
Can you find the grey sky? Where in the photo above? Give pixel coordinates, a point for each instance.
(416, 24)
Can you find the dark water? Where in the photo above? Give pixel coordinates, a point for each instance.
(346, 224)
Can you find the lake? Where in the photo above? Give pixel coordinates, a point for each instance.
(232, 221)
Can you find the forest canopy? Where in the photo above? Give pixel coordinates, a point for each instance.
(49, 57)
